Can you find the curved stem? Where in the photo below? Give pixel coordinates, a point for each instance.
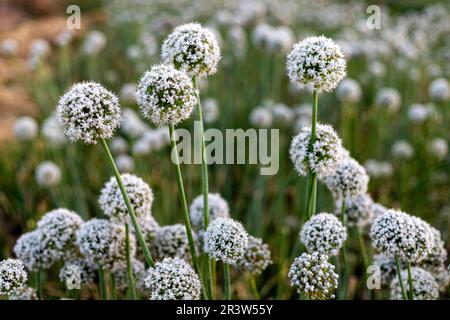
(187, 220)
(254, 288)
(400, 280)
(226, 282)
(131, 287)
(205, 188)
(137, 229)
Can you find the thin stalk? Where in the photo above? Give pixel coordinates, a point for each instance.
(103, 290)
(365, 257)
(131, 287)
(410, 282)
(312, 177)
(400, 280)
(226, 282)
(137, 229)
(182, 196)
(345, 272)
(113, 287)
(254, 288)
(205, 188)
(39, 285)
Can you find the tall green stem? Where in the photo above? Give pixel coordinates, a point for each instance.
(101, 277)
(226, 282)
(254, 288)
(345, 273)
(184, 207)
(312, 176)
(400, 280)
(39, 285)
(137, 229)
(205, 188)
(410, 282)
(131, 287)
(365, 257)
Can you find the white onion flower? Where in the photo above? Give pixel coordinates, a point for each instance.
(226, 240)
(103, 242)
(166, 95)
(192, 48)
(256, 257)
(439, 148)
(12, 276)
(172, 241)
(120, 273)
(173, 279)
(261, 117)
(210, 110)
(323, 233)
(358, 210)
(48, 174)
(125, 163)
(424, 285)
(25, 129)
(88, 112)
(113, 205)
(23, 293)
(348, 180)
(52, 131)
(349, 90)
(94, 42)
(324, 156)
(439, 90)
(402, 149)
(314, 276)
(80, 270)
(389, 99)
(217, 206)
(32, 249)
(396, 233)
(316, 63)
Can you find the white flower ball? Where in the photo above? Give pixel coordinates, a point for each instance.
(226, 240)
(402, 149)
(192, 48)
(439, 90)
(173, 279)
(172, 241)
(48, 174)
(323, 233)
(113, 205)
(389, 99)
(314, 276)
(316, 63)
(32, 249)
(324, 156)
(52, 132)
(166, 95)
(217, 206)
(88, 112)
(349, 90)
(358, 210)
(25, 129)
(424, 285)
(12, 276)
(256, 257)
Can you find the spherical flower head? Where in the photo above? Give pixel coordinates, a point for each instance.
(316, 63)
(78, 272)
(225, 240)
(402, 150)
(58, 228)
(348, 180)
(261, 117)
(388, 268)
(439, 148)
(378, 209)
(149, 226)
(349, 90)
(88, 112)
(438, 253)
(120, 272)
(323, 233)
(25, 129)
(313, 275)
(389, 99)
(23, 293)
(192, 48)
(396, 233)
(424, 285)
(256, 257)
(217, 206)
(48, 174)
(173, 279)
(12, 276)
(358, 210)
(322, 157)
(52, 132)
(172, 241)
(113, 205)
(439, 90)
(32, 249)
(166, 95)
(103, 242)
